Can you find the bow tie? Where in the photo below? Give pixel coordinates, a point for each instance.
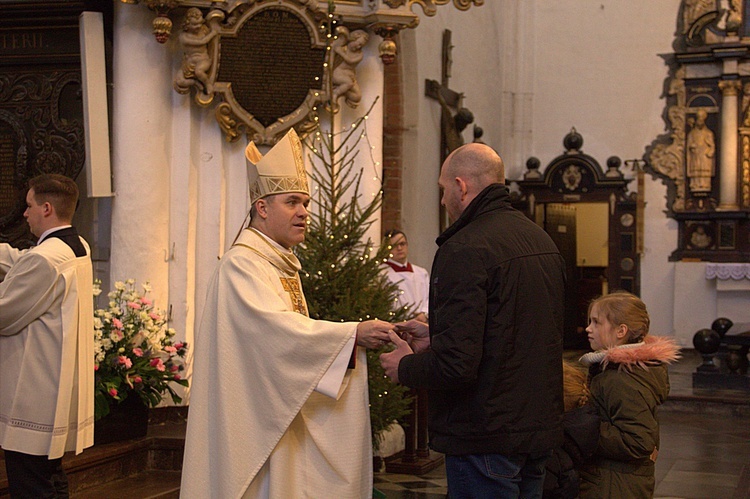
(400, 268)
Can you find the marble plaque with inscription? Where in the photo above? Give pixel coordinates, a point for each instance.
(271, 64)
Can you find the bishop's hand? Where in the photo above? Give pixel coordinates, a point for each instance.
(373, 334)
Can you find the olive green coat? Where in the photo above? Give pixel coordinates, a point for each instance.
(627, 385)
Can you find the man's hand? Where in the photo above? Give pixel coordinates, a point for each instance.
(421, 317)
(416, 333)
(391, 360)
(373, 334)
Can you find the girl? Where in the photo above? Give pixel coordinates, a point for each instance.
(628, 380)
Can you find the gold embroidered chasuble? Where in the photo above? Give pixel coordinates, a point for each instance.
(256, 427)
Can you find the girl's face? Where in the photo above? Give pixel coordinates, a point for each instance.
(602, 333)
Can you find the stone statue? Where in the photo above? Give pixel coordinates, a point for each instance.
(452, 124)
(699, 238)
(196, 60)
(347, 54)
(701, 150)
(730, 17)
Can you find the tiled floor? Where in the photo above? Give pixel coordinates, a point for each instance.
(705, 446)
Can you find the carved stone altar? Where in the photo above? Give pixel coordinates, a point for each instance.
(705, 157)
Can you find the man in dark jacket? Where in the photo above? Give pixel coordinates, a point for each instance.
(491, 356)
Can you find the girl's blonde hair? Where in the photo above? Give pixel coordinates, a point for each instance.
(625, 308)
(575, 388)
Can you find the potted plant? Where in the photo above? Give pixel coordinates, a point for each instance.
(135, 360)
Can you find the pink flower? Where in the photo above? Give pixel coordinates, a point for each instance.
(170, 349)
(117, 322)
(174, 368)
(137, 379)
(96, 367)
(134, 305)
(179, 345)
(154, 316)
(113, 392)
(138, 352)
(177, 377)
(122, 360)
(158, 364)
(146, 301)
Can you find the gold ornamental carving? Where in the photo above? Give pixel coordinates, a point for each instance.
(264, 64)
(668, 159)
(264, 77)
(730, 87)
(430, 6)
(745, 187)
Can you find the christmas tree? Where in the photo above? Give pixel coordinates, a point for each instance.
(342, 275)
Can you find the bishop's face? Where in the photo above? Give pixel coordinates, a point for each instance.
(286, 218)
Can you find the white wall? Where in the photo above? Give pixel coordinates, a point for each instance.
(598, 68)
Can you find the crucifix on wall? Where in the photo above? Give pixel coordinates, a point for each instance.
(453, 118)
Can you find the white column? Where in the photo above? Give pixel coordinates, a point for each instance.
(370, 157)
(141, 116)
(728, 161)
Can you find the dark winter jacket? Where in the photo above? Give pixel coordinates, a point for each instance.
(494, 370)
(581, 428)
(627, 385)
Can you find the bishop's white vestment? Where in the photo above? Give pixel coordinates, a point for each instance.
(256, 425)
(46, 349)
(414, 283)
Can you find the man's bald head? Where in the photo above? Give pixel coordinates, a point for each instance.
(478, 164)
(466, 172)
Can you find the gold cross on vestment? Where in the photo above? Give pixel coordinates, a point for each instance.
(291, 285)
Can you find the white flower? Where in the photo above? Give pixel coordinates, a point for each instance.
(119, 286)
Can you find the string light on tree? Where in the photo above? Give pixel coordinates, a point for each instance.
(343, 278)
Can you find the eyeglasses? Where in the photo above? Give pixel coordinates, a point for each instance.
(400, 244)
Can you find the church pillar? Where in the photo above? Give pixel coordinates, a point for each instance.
(141, 120)
(728, 160)
(370, 157)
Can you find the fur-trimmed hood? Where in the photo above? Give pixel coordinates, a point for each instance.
(652, 351)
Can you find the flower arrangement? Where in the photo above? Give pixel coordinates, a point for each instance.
(134, 353)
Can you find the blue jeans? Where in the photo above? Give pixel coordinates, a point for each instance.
(480, 476)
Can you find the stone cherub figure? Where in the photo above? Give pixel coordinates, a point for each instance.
(195, 38)
(347, 54)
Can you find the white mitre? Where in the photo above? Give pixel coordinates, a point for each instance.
(281, 170)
